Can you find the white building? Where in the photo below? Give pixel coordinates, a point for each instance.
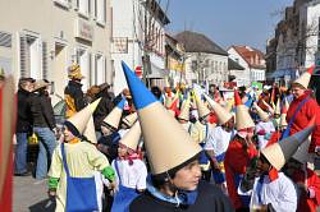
(137, 25)
(40, 39)
(252, 60)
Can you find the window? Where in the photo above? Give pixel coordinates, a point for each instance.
(84, 7)
(99, 69)
(100, 11)
(83, 59)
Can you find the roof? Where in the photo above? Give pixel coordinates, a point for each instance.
(250, 54)
(196, 42)
(233, 65)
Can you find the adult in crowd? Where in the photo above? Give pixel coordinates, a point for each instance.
(23, 126)
(73, 94)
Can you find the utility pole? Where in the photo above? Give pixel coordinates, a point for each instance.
(145, 57)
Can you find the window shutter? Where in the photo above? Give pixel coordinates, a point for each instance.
(5, 39)
(23, 56)
(45, 60)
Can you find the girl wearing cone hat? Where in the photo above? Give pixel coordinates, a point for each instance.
(302, 109)
(77, 159)
(239, 154)
(174, 182)
(131, 172)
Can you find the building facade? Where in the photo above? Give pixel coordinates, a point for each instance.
(40, 39)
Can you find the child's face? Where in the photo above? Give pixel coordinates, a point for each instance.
(122, 151)
(67, 134)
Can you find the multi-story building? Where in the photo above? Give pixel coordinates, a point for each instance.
(204, 60)
(138, 31)
(40, 39)
(253, 62)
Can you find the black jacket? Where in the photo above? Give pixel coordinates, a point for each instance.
(103, 109)
(24, 118)
(210, 198)
(42, 111)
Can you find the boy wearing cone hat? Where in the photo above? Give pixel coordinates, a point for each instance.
(239, 154)
(76, 158)
(172, 155)
(217, 146)
(272, 190)
(73, 94)
(302, 109)
(131, 172)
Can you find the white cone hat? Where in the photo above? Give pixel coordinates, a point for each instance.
(223, 115)
(279, 153)
(81, 118)
(277, 110)
(202, 109)
(114, 117)
(302, 154)
(243, 118)
(167, 143)
(264, 116)
(130, 119)
(90, 132)
(304, 79)
(283, 117)
(132, 137)
(185, 110)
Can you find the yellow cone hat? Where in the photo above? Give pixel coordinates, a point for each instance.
(114, 117)
(81, 118)
(132, 137)
(130, 119)
(202, 109)
(243, 118)
(168, 144)
(264, 116)
(304, 79)
(185, 110)
(90, 132)
(223, 115)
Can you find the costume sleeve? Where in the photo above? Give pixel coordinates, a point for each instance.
(314, 110)
(142, 180)
(56, 164)
(96, 158)
(314, 185)
(108, 172)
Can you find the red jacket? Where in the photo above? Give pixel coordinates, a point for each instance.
(236, 160)
(304, 115)
(306, 203)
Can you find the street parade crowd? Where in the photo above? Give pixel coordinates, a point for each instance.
(176, 149)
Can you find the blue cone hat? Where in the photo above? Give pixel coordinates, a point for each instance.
(168, 144)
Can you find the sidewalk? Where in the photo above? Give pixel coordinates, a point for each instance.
(30, 195)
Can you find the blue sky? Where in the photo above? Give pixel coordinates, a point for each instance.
(227, 22)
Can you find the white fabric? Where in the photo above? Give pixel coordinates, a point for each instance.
(186, 126)
(281, 193)
(122, 132)
(133, 176)
(99, 179)
(218, 140)
(268, 127)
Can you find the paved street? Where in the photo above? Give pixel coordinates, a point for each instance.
(30, 195)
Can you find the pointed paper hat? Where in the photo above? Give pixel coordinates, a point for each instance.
(160, 130)
(264, 116)
(81, 118)
(223, 115)
(304, 79)
(283, 117)
(90, 132)
(114, 117)
(185, 110)
(279, 153)
(132, 137)
(7, 116)
(202, 109)
(302, 154)
(130, 119)
(277, 110)
(243, 117)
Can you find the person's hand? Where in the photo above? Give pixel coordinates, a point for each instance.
(52, 194)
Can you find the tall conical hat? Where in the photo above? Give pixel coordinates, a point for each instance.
(202, 109)
(8, 118)
(277, 110)
(114, 117)
(243, 117)
(279, 153)
(264, 116)
(283, 117)
(90, 132)
(132, 137)
(304, 79)
(302, 154)
(81, 118)
(185, 110)
(223, 115)
(130, 119)
(160, 130)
